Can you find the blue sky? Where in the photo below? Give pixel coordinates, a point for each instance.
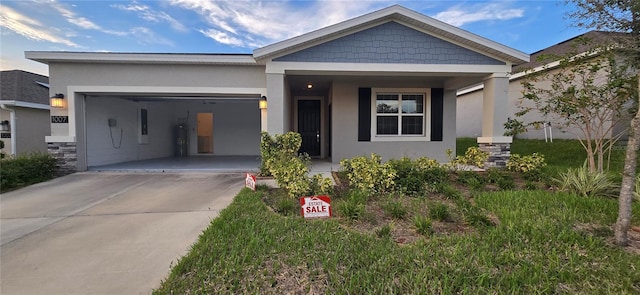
(210, 26)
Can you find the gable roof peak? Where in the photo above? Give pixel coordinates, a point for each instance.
(399, 14)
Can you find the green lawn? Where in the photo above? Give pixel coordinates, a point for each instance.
(560, 155)
(544, 243)
(534, 250)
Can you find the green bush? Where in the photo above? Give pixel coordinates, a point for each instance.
(369, 174)
(440, 212)
(636, 193)
(353, 206)
(422, 225)
(587, 184)
(280, 159)
(395, 210)
(473, 156)
(523, 164)
(26, 169)
(472, 179)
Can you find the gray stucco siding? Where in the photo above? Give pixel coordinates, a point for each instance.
(390, 43)
(344, 134)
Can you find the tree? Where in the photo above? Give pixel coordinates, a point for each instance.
(586, 92)
(619, 16)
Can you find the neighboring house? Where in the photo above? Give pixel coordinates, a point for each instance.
(384, 83)
(471, 99)
(24, 112)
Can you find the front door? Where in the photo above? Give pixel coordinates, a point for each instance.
(309, 126)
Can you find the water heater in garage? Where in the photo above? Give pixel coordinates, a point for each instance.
(182, 140)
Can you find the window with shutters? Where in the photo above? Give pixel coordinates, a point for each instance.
(400, 114)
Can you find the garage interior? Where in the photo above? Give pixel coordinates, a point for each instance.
(171, 132)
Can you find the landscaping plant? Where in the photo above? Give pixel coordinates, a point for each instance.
(368, 174)
(586, 183)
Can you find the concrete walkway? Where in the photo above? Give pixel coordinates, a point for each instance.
(105, 233)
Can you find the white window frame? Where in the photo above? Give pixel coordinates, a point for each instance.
(426, 136)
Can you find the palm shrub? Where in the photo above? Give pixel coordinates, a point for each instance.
(585, 183)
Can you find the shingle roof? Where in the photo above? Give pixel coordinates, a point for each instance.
(23, 86)
(571, 45)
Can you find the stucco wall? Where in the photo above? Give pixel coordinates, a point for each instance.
(64, 75)
(344, 139)
(469, 115)
(32, 125)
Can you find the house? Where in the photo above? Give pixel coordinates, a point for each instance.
(470, 99)
(24, 112)
(384, 82)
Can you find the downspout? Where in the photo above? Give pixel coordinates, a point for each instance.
(12, 125)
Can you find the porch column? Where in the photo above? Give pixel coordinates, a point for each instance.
(275, 104)
(495, 110)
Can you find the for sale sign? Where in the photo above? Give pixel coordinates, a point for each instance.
(250, 181)
(316, 206)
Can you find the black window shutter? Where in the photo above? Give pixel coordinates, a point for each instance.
(437, 110)
(364, 114)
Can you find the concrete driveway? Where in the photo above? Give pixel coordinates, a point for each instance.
(105, 233)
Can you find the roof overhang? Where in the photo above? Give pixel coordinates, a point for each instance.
(403, 15)
(47, 57)
(24, 104)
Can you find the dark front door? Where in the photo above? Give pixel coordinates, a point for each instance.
(309, 126)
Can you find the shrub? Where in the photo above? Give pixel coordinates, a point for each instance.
(26, 169)
(287, 206)
(435, 175)
(473, 156)
(422, 225)
(353, 207)
(440, 212)
(506, 183)
(587, 184)
(472, 179)
(395, 210)
(369, 174)
(409, 177)
(280, 159)
(523, 164)
(424, 163)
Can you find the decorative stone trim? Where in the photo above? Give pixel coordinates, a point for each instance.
(499, 154)
(66, 157)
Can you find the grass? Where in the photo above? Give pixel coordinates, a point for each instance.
(560, 155)
(534, 250)
(534, 242)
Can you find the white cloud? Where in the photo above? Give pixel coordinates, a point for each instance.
(147, 13)
(222, 37)
(30, 28)
(463, 14)
(254, 24)
(146, 36)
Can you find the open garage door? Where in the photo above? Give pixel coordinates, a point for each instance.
(125, 128)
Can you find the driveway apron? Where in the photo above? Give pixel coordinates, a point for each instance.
(105, 233)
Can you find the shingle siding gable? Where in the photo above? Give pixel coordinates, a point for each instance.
(390, 43)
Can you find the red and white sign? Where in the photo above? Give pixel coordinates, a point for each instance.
(250, 181)
(316, 206)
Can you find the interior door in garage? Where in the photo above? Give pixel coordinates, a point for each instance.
(205, 133)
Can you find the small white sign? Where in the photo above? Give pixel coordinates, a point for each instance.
(316, 206)
(250, 181)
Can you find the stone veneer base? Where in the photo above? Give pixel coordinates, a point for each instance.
(66, 157)
(499, 154)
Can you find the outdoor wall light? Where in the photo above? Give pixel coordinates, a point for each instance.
(57, 100)
(263, 103)
(4, 125)
(309, 85)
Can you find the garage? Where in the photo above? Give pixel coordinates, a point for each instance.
(129, 128)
